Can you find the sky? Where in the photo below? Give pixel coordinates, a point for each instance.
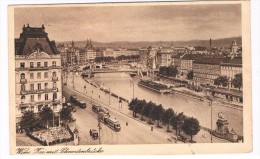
(133, 22)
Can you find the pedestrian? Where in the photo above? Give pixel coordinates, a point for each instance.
(151, 128)
(90, 132)
(126, 123)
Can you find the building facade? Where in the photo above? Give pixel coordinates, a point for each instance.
(206, 70)
(38, 72)
(231, 68)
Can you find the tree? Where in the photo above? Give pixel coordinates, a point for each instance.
(167, 117)
(147, 109)
(238, 81)
(221, 80)
(191, 126)
(29, 121)
(172, 71)
(65, 114)
(190, 75)
(46, 116)
(163, 70)
(177, 121)
(157, 113)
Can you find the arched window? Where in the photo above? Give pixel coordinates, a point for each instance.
(22, 76)
(54, 74)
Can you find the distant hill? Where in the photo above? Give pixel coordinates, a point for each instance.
(126, 44)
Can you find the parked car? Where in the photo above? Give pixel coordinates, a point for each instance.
(94, 134)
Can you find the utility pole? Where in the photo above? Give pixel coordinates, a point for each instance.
(210, 104)
(73, 80)
(53, 115)
(99, 127)
(133, 90)
(109, 95)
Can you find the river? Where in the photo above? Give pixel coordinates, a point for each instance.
(121, 84)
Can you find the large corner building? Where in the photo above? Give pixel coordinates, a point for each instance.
(37, 72)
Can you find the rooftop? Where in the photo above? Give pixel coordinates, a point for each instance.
(33, 38)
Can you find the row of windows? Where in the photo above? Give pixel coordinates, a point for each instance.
(39, 75)
(38, 64)
(39, 86)
(46, 97)
(23, 109)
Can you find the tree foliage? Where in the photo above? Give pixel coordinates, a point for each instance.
(177, 121)
(190, 75)
(167, 117)
(238, 81)
(156, 113)
(65, 114)
(168, 71)
(191, 126)
(221, 80)
(29, 121)
(46, 116)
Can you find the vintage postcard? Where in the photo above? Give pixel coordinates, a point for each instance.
(130, 78)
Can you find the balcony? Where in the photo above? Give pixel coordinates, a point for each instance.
(38, 91)
(55, 78)
(54, 89)
(23, 81)
(38, 68)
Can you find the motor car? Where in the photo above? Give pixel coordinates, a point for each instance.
(94, 134)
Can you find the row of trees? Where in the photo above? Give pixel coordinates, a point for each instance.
(169, 117)
(170, 71)
(119, 58)
(46, 117)
(223, 81)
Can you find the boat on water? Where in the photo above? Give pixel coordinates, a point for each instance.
(158, 87)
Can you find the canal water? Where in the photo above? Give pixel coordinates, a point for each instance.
(122, 84)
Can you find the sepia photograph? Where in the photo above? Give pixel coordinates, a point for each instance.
(88, 77)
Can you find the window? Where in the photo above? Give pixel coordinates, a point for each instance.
(31, 76)
(54, 96)
(32, 87)
(46, 96)
(32, 108)
(46, 85)
(39, 108)
(39, 75)
(22, 65)
(38, 64)
(22, 87)
(45, 64)
(39, 86)
(54, 85)
(53, 63)
(45, 74)
(31, 64)
(54, 74)
(39, 97)
(22, 76)
(32, 98)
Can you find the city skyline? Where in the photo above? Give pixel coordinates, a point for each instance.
(137, 23)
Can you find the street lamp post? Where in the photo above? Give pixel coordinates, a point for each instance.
(109, 95)
(73, 81)
(210, 104)
(53, 115)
